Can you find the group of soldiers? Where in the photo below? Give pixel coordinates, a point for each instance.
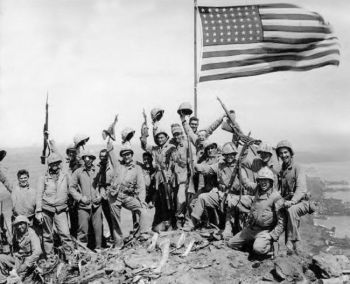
(249, 190)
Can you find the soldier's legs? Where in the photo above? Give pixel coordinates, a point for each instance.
(210, 199)
(73, 218)
(107, 214)
(61, 224)
(133, 204)
(293, 219)
(48, 230)
(181, 202)
(262, 243)
(83, 229)
(242, 238)
(7, 263)
(117, 231)
(97, 226)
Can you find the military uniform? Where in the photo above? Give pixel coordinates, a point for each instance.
(51, 200)
(265, 222)
(23, 198)
(82, 184)
(126, 185)
(26, 251)
(292, 186)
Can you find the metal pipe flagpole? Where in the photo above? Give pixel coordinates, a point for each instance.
(195, 57)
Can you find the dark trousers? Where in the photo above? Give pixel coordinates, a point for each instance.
(88, 218)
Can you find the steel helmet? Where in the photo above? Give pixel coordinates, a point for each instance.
(207, 143)
(2, 155)
(125, 149)
(176, 128)
(263, 147)
(284, 144)
(265, 173)
(185, 108)
(160, 131)
(80, 139)
(71, 147)
(157, 114)
(88, 153)
(54, 158)
(127, 134)
(229, 148)
(21, 219)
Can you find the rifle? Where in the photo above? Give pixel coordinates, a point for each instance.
(144, 128)
(235, 127)
(46, 133)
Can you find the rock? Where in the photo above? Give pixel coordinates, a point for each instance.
(288, 268)
(329, 266)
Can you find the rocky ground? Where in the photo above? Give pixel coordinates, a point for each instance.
(169, 260)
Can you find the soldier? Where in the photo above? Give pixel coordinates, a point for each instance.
(182, 184)
(228, 191)
(161, 156)
(292, 186)
(102, 182)
(22, 195)
(124, 192)
(26, 248)
(51, 204)
(84, 191)
(74, 163)
(265, 221)
(148, 171)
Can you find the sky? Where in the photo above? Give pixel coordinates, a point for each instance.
(100, 58)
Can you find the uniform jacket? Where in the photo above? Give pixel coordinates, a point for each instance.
(23, 198)
(292, 182)
(27, 247)
(52, 194)
(82, 184)
(266, 212)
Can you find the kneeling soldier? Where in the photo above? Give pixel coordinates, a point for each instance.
(26, 248)
(266, 220)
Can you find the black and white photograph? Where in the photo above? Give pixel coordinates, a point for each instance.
(188, 141)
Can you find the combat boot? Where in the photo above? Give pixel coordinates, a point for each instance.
(190, 224)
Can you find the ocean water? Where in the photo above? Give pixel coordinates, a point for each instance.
(341, 224)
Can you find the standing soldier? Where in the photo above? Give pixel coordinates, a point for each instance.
(26, 248)
(292, 186)
(265, 221)
(74, 163)
(51, 204)
(124, 192)
(83, 190)
(161, 156)
(22, 195)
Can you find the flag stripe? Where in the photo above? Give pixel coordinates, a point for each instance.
(292, 23)
(261, 53)
(301, 17)
(262, 45)
(267, 70)
(257, 60)
(302, 29)
(278, 5)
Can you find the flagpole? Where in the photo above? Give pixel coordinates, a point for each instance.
(195, 58)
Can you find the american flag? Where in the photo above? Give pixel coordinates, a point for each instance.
(257, 39)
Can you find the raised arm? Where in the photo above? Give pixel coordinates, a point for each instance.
(214, 125)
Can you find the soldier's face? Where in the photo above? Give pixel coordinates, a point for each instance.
(127, 157)
(147, 160)
(265, 184)
(55, 167)
(284, 155)
(22, 227)
(265, 156)
(229, 158)
(103, 157)
(194, 125)
(177, 137)
(211, 150)
(161, 139)
(202, 135)
(23, 180)
(88, 161)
